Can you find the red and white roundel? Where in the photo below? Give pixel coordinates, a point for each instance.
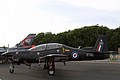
(75, 55)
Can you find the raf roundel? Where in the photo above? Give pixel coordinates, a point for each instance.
(75, 55)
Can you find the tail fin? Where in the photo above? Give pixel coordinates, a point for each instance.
(101, 44)
(27, 42)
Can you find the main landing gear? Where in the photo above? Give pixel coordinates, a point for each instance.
(50, 65)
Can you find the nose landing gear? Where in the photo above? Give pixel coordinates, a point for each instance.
(11, 70)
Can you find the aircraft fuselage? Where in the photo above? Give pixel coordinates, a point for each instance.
(73, 54)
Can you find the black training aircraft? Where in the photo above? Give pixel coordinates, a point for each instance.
(54, 52)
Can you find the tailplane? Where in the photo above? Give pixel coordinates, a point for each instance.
(101, 44)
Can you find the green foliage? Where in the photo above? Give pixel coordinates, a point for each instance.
(85, 36)
(115, 39)
(42, 38)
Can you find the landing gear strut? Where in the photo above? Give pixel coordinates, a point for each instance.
(46, 64)
(10, 59)
(51, 66)
(11, 70)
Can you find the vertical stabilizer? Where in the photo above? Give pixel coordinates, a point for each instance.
(101, 44)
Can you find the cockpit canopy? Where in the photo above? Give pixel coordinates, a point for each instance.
(46, 46)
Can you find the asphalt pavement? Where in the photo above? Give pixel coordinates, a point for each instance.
(72, 71)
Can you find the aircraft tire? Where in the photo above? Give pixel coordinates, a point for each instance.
(51, 72)
(11, 70)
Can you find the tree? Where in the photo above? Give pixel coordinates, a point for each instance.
(85, 36)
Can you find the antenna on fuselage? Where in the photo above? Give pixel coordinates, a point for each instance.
(7, 48)
(79, 47)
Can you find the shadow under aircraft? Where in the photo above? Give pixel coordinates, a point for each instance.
(26, 43)
(54, 52)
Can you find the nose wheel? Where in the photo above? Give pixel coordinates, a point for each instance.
(11, 70)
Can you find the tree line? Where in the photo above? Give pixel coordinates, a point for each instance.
(85, 37)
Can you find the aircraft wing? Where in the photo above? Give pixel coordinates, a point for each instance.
(57, 57)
